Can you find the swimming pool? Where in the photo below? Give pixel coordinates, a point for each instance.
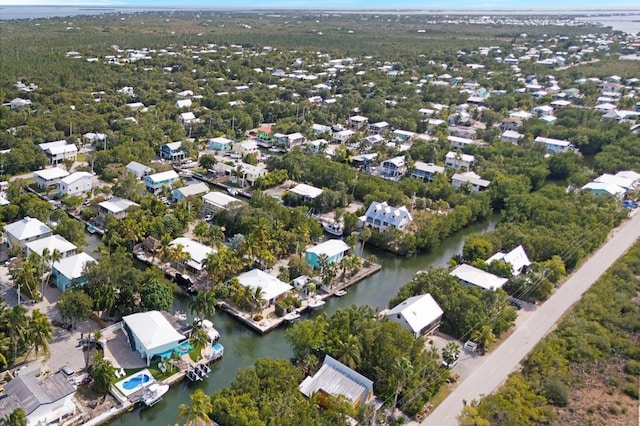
(184, 348)
(135, 382)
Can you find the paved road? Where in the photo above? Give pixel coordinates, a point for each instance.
(506, 358)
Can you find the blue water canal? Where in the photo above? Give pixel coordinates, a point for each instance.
(243, 347)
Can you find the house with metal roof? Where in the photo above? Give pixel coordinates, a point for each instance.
(179, 194)
(458, 160)
(197, 253)
(214, 201)
(116, 207)
(51, 243)
(336, 379)
(426, 171)
(334, 249)
(77, 183)
(382, 216)
(307, 192)
(553, 146)
(420, 314)
(470, 275)
(475, 182)
(517, 258)
(272, 288)
(44, 398)
(25, 230)
(70, 270)
(172, 151)
(49, 177)
(151, 334)
(156, 182)
(138, 169)
(394, 168)
(58, 151)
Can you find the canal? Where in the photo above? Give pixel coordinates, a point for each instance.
(243, 347)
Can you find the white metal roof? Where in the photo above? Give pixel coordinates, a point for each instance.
(51, 174)
(73, 266)
(26, 228)
(74, 177)
(478, 277)
(418, 311)
(331, 248)
(152, 329)
(52, 242)
(271, 286)
(219, 199)
(198, 252)
(307, 191)
(517, 258)
(117, 205)
(162, 176)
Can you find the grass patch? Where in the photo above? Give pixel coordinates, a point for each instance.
(440, 396)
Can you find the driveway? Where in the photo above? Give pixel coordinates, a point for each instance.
(491, 373)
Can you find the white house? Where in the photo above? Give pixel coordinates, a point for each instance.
(357, 122)
(179, 194)
(246, 147)
(59, 151)
(476, 183)
(25, 230)
(49, 177)
(458, 160)
(116, 207)
(272, 288)
(511, 136)
(469, 275)
(151, 334)
(77, 183)
(138, 169)
(379, 128)
(554, 146)
(183, 103)
(249, 173)
(517, 258)
(305, 191)
(45, 398)
(393, 168)
(420, 314)
(426, 171)
(51, 243)
(197, 253)
(342, 136)
(187, 119)
(458, 142)
(214, 201)
(382, 216)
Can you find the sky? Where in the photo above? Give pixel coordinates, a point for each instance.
(339, 4)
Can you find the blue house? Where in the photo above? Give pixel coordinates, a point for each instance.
(151, 334)
(156, 182)
(334, 249)
(69, 270)
(172, 151)
(219, 144)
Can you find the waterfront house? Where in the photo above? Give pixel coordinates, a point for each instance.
(196, 253)
(156, 182)
(219, 144)
(45, 398)
(426, 171)
(51, 243)
(382, 216)
(76, 184)
(475, 182)
(248, 174)
(393, 168)
(272, 288)
(469, 275)
(214, 201)
(49, 177)
(115, 207)
(25, 230)
(58, 151)
(334, 249)
(307, 192)
(458, 160)
(517, 258)
(180, 194)
(420, 315)
(151, 334)
(337, 380)
(172, 151)
(69, 270)
(554, 146)
(140, 170)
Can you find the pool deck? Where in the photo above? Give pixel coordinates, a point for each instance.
(130, 394)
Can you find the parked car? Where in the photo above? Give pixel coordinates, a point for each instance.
(67, 371)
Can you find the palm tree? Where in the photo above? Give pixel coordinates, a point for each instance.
(348, 351)
(48, 259)
(18, 323)
(196, 414)
(403, 370)
(215, 264)
(40, 332)
(238, 174)
(165, 247)
(201, 230)
(5, 346)
(257, 299)
(365, 235)
(484, 337)
(450, 352)
(177, 254)
(203, 305)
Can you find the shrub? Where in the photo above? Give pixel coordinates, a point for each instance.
(632, 367)
(556, 392)
(632, 391)
(257, 317)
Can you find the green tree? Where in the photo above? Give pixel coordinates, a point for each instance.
(40, 332)
(18, 417)
(74, 305)
(348, 351)
(197, 413)
(484, 337)
(103, 374)
(450, 352)
(203, 305)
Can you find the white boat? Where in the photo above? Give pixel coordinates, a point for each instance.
(333, 228)
(180, 315)
(316, 303)
(232, 191)
(340, 293)
(292, 316)
(91, 229)
(154, 393)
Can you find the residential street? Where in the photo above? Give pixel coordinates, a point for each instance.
(506, 358)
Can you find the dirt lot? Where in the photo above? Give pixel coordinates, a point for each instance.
(600, 399)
